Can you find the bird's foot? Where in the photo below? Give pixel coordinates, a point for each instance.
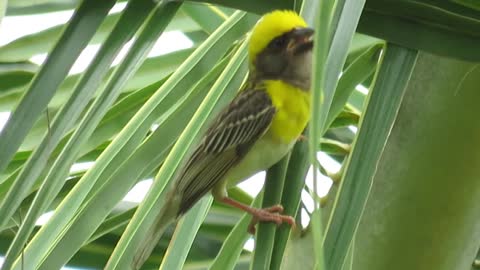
(302, 138)
(269, 214)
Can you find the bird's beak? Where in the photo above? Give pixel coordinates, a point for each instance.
(301, 40)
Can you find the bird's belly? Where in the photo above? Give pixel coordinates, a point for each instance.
(262, 156)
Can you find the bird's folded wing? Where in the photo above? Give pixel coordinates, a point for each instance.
(225, 143)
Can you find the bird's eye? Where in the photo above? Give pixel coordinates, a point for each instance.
(278, 42)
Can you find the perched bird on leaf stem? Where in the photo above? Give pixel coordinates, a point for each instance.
(257, 129)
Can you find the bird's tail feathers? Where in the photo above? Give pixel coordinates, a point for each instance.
(165, 217)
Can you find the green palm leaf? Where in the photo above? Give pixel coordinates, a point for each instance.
(403, 129)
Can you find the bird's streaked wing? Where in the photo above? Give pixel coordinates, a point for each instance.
(225, 143)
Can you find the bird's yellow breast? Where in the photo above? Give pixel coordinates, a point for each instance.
(293, 111)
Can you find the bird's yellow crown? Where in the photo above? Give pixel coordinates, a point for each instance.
(272, 25)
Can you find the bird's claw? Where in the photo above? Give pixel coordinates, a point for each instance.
(302, 138)
(270, 214)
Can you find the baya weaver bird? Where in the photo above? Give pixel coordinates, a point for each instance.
(257, 129)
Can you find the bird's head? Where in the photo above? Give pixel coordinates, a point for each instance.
(280, 48)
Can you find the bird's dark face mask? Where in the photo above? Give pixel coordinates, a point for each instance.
(288, 57)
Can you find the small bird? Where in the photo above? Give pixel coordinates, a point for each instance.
(257, 129)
